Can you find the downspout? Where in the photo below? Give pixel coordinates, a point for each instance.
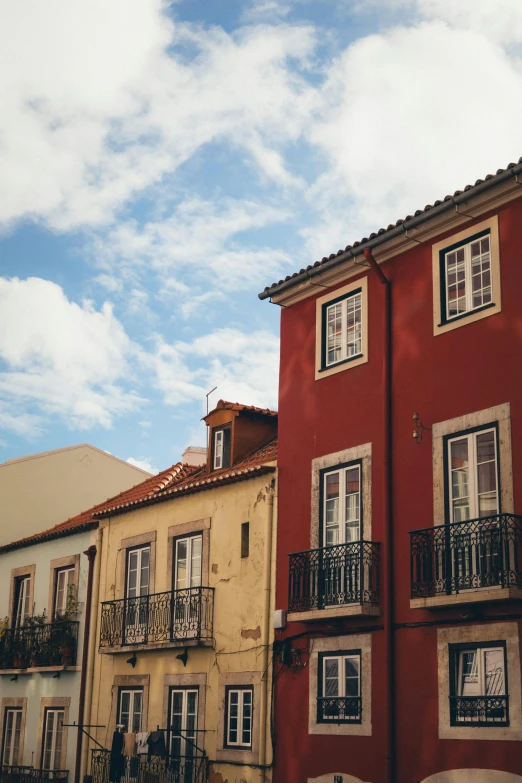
(89, 653)
(91, 554)
(388, 602)
(265, 637)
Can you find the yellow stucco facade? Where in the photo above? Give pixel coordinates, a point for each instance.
(232, 658)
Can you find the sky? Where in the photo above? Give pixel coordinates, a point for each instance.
(162, 162)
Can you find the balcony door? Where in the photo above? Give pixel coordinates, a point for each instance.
(187, 581)
(12, 734)
(53, 751)
(22, 607)
(476, 556)
(137, 591)
(183, 733)
(341, 554)
(130, 709)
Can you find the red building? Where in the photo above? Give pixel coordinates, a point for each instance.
(400, 466)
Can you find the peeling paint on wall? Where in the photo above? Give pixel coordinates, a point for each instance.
(251, 633)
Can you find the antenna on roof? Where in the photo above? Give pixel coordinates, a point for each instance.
(208, 395)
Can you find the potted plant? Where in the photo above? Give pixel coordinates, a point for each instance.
(35, 639)
(64, 627)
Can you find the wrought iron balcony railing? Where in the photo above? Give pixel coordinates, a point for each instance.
(449, 559)
(479, 710)
(346, 709)
(32, 775)
(145, 769)
(161, 617)
(49, 644)
(335, 575)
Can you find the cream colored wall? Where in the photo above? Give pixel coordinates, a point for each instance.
(43, 490)
(238, 607)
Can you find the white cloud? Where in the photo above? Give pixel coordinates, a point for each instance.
(408, 117)
(144, 463)
(105, 104)
(244, 367)
(65, 360)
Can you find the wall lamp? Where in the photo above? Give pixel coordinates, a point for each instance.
(419, 427)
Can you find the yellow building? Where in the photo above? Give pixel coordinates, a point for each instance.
(183, 632)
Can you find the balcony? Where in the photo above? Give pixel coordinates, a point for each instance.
(32, 775)
(335, 581)
(35, 647)
(479, 710)
(152, 769)
(467, 562)
(173, 619)
(347, 709)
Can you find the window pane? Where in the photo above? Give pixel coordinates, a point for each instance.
(352, 503)
(247, 718)
(353, 325)
(494, 672)
(351, 673)
(331, 677)
(181, 564)
(58, 752)
(136, 716)
(195, 568)
(334, 329)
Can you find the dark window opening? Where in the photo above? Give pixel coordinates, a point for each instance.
(245, 539)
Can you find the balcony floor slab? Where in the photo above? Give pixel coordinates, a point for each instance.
(178, 643)
(479, 595)
(347, 610)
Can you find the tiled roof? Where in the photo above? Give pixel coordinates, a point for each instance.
(184, 480)
(236, 406)
(420, 216)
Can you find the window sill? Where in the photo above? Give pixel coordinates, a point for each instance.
(41, 670)
(340, 364)
(479, 595)
(468, 314)
(344, 610)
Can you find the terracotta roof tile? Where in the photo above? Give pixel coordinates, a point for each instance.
(237, 406)
(499, 176)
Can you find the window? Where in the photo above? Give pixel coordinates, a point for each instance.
(138, 571)
(63, 590)
(339, 687)
(473, 474)
(12, 735)
(239, 717)
(466, 276)
(341, 504)
(53, 751)
(130, 708)
(183, 722)
(245, 539)
(22, 600)
(221, 447)
(342, 329)
(478, 684)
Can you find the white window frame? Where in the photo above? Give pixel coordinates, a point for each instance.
(341, 517)
(479, 669)
(191, 558)
(68, 574)
(138, 588)
(467, 266)
(56, 712)
(23, 599)
(219, 441)
(323, 304)
(11, 751)
(241, 693)
(352, 301)
(341, 681)
(186, 749)
(473, 495)
(131, 692)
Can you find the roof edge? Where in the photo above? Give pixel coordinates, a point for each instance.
(40, 539)
(401, 226)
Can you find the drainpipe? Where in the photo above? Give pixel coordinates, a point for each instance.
(89, 651)
(271, 521)
(388, 602)
(91, 554)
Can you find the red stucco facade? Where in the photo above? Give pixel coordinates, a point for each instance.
(468, 369)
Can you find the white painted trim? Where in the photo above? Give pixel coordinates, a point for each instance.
(361, 283)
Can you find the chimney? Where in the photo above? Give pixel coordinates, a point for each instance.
(194, 456)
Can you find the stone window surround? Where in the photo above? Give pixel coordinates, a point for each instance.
(55, 565)
(491, 631)
(333, 644)
(363, 453)
(131, 543)
(10, 703)
(187, 529)
(28, 570)
(471, 317)
(198, 681)
(128, 681)
(361, 283)
(63, 702)
(498, 413)
(240, 755)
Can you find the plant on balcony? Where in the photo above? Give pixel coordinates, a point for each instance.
(64, 633)
(35, 646)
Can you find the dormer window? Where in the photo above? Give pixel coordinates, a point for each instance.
(221, 447)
